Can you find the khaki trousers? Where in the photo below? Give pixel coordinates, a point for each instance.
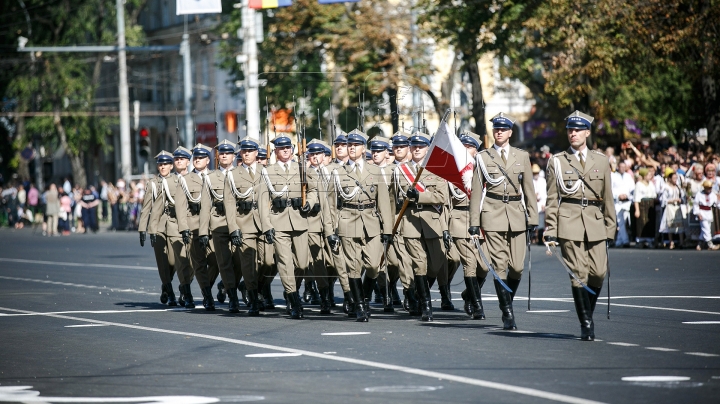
(399, 263)
(465, 252)
(317, 268)
(247, 256)
(267, 268)
(181, 261)
(507, 252)
(291, 253)
(204, 262)
(587, 260)
(338, 267)
(427, 257)
(362, 254)
(228, 265)
(163, 257)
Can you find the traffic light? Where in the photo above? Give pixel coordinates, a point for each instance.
(231, 121)
(144, 142)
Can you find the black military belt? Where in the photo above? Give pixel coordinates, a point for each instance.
(246, 205)
(583, 202)
(463, 208)
(504, 197)
(170, 211)
(194, 208)
(427, 205)
(219, 208)
(361, 206)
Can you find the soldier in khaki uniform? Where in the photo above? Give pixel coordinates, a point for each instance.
(284, 195)
(166, 222)
(267, 268)
(463, 251)
(163, 252)
(398, 252)
(505, 209)
(247, 219)
(359, 199)
(424, 225)
(580, 215)
(213, 225)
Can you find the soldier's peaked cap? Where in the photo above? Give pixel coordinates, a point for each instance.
(164, 157)
(225, 146)
(357, 137)
(470, 139)
(262, 153)
(316, 146)
(502, 121)
(248, 144)
(401, 138)
(420, 139)
(579, 120)
(340, 139)
(182, 152)
(282, 141)
(200, 150)
(379, 143)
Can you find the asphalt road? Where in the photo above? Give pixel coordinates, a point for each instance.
(80, 321)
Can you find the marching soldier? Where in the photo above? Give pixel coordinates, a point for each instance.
(465, 251)
(505, 207)
(267, 269)
(423, 226)
(163, 252)
(580, 215)
(398, 252)
(247, 220)
(165, 222)
(359, 200)
(214, 226)
(284, 185)
(341, 149)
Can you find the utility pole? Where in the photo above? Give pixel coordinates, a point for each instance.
(252, 92)
(187, 85)
(416, 96)
(125, 160)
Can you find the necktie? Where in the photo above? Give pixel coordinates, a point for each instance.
(252, 173)
(582, 160)
(502, 154)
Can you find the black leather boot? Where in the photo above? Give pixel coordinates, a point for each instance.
(181, 299)
(349, 303)
(584, 313)
(314, 293)
(423, 289)
(445, 298)
(221, 294)
(394, 294)
(208, 300)
(267, 297)
(324, 303)
(331, 292)
(288, 306)
(296, 311)
(243, 291)
(170, 294)
(594, 298)
(505, 303)
(513, 284)
(478, 311)
(253, 309)
(356, 288)
(467, 296)
(163, 294)
(307, 293)
(412, 306)
(378, 295)
(368, 285)
(386, 300)
(233, 302)
(187, 294)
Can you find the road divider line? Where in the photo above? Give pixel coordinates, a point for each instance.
(701, 322)
(76, 264)
(526, 391)
(661, 349)
(86, 325)
(707, 355)
(78, 285)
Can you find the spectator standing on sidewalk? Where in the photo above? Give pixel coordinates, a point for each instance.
(104, 200)
(89, 203)
(644, 198)
(702, 208)
(52, 209)
(674, 203)
(33, 199)
(623, 188)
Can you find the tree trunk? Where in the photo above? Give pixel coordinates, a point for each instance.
(76, 159)
(478, 105)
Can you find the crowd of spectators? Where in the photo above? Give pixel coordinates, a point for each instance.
(665, 195)
(64, 208)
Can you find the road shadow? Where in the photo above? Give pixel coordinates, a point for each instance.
(533, 335)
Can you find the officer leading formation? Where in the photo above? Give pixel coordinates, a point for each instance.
(364, 213)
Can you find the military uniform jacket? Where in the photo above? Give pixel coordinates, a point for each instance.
(426, 218)
(153, 187)
(572, 221)
(345, 197)
(170, 199)
(212, 197)
(192, 185)
(497, 215)
(284, 185)
(386, 173)
(459, 215)
(316, 217)
(246, 206)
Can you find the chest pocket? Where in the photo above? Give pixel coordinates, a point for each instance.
(517, 169)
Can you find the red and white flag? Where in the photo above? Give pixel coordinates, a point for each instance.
(449, 159)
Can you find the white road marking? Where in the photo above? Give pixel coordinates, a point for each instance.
(661, 349)
(622, 344)
(272, 355)
(75, 264)
(701, 322)
(96, 312)
(707, 355)
(401, 389)
(23, 394)
(659, 308)
(546, 311)
(77, 285)
(346, 333)
(360, 362)
(655, 379)
(86, 325)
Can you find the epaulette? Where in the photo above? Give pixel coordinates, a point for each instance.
(558, 154)
(485, 150)
(598, 152)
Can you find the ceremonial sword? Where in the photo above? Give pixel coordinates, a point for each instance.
(489, 265)
(564, 265)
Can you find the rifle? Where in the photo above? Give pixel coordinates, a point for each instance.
(217, 154)
(267, 126)
(300, 131)
(177, 127)
(332, 131)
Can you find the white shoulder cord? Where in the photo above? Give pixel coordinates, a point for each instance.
(483, 169)
(215, 196)
(272, 190)
(184, 186)
(340, 190)
(238, 195)
(154, 189)
(167, 191)
(558, 175)
(458, 197)
(396, 177)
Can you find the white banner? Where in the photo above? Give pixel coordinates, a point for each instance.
(198, 7)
